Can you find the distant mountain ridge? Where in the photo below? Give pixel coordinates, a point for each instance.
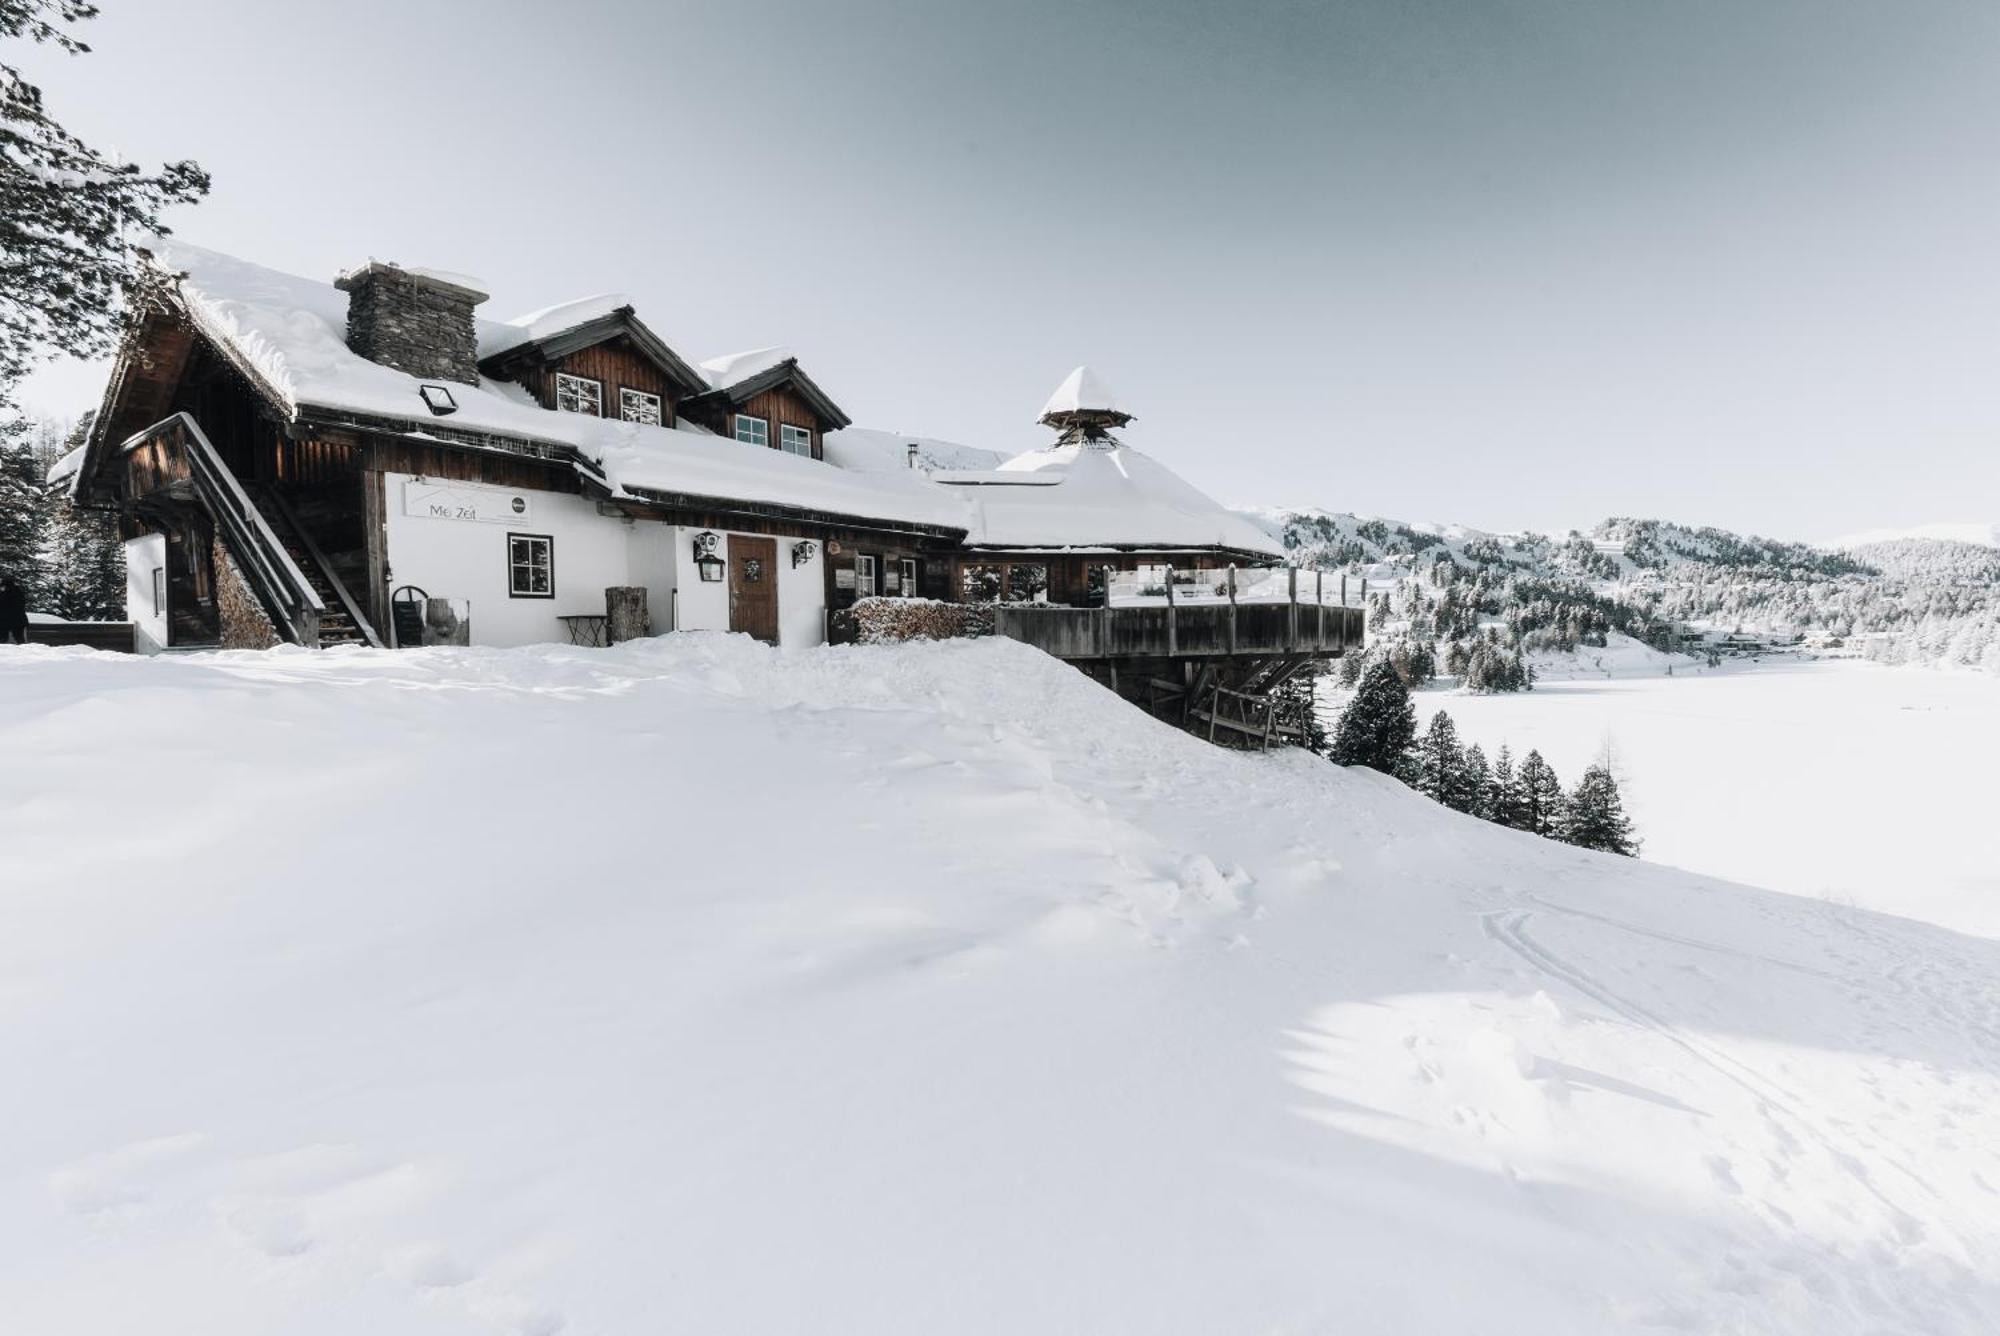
(1972, 532)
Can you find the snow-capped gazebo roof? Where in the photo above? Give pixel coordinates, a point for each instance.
(1083, 390)
(1102, 495)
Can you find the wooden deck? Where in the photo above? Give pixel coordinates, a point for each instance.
(1185, 631)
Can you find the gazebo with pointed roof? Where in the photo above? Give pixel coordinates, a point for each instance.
(1083, 409)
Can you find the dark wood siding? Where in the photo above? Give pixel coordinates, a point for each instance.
(614, 364)
(779, 407)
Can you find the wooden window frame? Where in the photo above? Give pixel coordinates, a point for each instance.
(592, 381)
(549, 540)
(736, 429)
(659, 406)
(908, 566)
(786, 427)
(874, 568)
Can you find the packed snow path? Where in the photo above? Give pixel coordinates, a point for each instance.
(691, 986)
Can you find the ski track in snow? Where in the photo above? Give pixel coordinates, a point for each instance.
(1034, 1016)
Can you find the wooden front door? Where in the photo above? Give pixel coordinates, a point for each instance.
(753, 586)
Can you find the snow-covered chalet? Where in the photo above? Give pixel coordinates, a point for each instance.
(368, 461)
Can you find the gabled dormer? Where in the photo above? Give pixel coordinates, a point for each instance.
(763, 398)
(593, 356)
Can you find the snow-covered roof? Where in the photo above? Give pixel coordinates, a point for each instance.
(871, 450)
(1083, 390)
(547, 322)
(290, 334)
(1106, 497)
(735, 368)
(65, 468)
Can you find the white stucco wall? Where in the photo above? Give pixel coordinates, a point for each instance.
(704, 606)
(144, 555)
(467, 559)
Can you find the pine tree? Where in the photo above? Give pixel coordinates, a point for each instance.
(1541, 809)
(1439, 769)
(70, 211)
(84, 563)
(1506, 790)
(21, 512)
(1479, 781)
(1596, 815)
(1378, 725)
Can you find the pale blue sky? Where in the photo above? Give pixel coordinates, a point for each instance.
(1514, 265)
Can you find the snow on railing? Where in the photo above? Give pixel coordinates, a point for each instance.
(1155, 586)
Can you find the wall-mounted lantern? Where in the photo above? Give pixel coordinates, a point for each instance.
(706, 558)
(803, 551)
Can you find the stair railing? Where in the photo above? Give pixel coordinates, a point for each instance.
(274, 577)
(319, 558)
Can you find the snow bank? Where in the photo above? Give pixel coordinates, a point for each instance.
(696, 986)
(1619, 656)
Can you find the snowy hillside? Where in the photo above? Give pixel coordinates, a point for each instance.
(1932, 559)
(1909, 601)
(694, 986)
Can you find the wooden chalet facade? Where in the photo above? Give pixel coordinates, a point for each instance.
(368, 463)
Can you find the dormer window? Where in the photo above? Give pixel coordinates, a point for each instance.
(796, 440)
(639, 406)
(753, 430)
(579, 394)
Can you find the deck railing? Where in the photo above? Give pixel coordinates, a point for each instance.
(1219, 620)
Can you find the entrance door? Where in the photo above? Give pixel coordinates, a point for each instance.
(753, 586)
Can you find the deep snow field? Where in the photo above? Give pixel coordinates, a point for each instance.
(1839, 778)
(696, 987)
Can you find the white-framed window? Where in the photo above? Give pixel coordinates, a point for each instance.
(579, 394)
(639, 406)
(795, 440)
(752, 430)
(909, 565)
(864, 575)
(531, 565)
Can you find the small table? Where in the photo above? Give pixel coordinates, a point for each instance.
(587, 628)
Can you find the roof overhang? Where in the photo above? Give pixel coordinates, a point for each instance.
(726, 505)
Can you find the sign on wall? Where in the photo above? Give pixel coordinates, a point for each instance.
(463, 501)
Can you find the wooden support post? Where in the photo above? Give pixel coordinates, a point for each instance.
(625, 614)
(1319, 609)
(1173, 642)
(1232, 607)
(1292, 618)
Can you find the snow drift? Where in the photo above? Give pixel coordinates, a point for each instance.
(694, 986)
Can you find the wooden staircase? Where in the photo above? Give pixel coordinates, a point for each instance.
(342, 623)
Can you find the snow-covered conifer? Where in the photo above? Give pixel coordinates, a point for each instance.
(1595, 815)
(1541, 801)
(1378, 725)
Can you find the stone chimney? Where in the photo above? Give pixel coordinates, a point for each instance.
(415, 320)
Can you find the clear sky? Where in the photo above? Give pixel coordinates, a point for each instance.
(1516, 264)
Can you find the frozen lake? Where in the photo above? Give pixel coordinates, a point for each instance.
(1833, 778)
